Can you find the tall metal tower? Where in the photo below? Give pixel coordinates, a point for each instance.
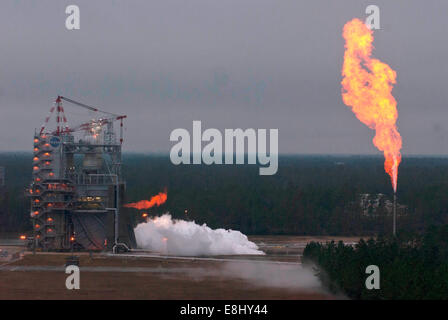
(77, 187)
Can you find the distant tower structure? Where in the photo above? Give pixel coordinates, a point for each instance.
(77, 188)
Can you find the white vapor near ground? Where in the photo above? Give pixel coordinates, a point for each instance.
(265, 274)
(186, 238)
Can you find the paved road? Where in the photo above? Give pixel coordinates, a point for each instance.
(246, 258)
(12, 242)
(97, 269)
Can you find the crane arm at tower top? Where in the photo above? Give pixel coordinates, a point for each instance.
(90, 124)
(85, 126)
(118, 117)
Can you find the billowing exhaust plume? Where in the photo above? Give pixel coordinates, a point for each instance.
(367, 88)
(156, 200)
(186, 238)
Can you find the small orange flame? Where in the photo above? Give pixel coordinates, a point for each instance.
(156, 200)
(367, 88)
(23, 237)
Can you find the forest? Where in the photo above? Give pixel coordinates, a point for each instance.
(309, 195)
(411, 266)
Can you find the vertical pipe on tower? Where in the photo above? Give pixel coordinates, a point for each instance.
(117, 211)
(395, 215)
(121, 131)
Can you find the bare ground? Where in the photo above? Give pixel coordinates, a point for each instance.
(119, 278)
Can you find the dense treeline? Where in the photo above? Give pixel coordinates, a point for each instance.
(14, 211)
(310, 195)
(411, 266)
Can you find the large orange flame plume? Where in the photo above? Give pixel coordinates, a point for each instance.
(156, 200)
(367, 88)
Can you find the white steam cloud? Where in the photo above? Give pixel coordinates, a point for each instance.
(274, 275)
(186, 238)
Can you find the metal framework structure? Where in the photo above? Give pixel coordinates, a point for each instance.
(77, 185)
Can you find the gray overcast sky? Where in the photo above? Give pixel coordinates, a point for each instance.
(230, 63)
